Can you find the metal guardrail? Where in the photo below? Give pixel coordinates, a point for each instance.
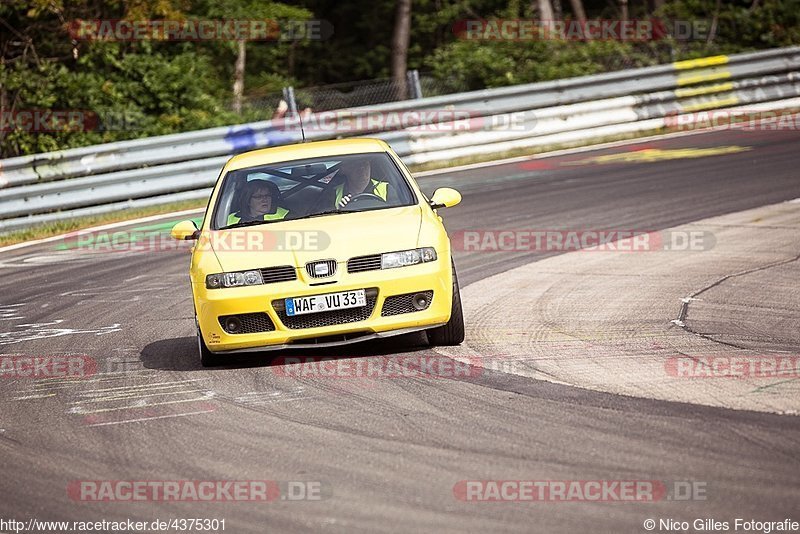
(96, 179)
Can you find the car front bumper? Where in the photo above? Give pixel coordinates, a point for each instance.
(435, 276)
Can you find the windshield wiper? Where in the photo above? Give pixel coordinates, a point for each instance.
(243, 224)
(327, 212)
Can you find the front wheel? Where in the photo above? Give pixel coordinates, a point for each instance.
(451, 333)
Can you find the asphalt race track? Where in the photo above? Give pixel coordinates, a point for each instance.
(392, 454)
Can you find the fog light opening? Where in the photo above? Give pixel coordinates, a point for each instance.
(420, 302)
(233, 325)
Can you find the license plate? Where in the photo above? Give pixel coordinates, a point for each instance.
(321, 303)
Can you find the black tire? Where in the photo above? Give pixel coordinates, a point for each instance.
(451, 333)
(207, 358)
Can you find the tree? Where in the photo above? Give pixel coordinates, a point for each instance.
(577, 9)
(238, 77)
(275, 13)
(545, 9)
(400, 40)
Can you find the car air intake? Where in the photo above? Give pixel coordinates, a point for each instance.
(284, 273)
(408, 303)
(246, 323)
(364, 263)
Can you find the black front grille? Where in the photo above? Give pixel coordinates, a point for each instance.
(399, 304)
(251, 323)
(364, 263)
(284, 273)
(331, 268)
(327, 318)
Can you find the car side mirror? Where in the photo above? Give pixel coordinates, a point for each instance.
(445, 197)
(185, 231)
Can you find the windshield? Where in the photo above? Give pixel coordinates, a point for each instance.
(310, 188)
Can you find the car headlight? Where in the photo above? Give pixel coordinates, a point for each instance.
(234, 279)
(390, 260)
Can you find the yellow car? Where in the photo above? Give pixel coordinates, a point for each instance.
(320, 244)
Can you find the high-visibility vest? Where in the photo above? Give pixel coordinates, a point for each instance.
(279, 214)
(378, 188)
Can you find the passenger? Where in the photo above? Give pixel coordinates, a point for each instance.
(259, 201)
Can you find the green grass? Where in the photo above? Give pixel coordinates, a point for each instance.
(61, 227)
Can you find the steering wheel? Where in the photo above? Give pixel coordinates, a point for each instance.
(366, 196)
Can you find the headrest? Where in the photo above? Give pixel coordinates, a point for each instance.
(307, 171)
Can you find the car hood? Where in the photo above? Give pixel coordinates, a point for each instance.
(338, 237)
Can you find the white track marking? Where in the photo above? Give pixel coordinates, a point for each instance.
(152, 386)
(32, 397)
(80, 411)
(34, 332)
(151, 418)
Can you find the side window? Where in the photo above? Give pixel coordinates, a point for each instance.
(386, 170)
(226, 201)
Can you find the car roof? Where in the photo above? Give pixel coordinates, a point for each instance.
(315, 149)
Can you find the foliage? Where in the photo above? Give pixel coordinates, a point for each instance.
(144, 88)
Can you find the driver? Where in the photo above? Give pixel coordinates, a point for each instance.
(259, 202)
(357, 182)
